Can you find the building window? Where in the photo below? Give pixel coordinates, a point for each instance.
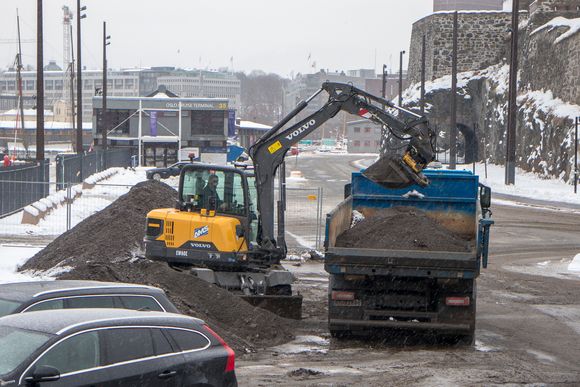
(129, 84)
(88, 84)
(58, 84)
(356, 129)
(210, 122)
(356, 143)
(367, 129)
(367, 144)
(49, 85)
(118, 83)
(30, 85)
(377, 143)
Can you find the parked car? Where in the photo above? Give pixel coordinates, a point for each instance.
(112, 347)
(164, 173)
(42, 295)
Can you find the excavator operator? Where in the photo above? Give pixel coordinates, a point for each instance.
(210, 196)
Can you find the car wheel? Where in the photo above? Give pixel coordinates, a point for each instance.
(156, 176)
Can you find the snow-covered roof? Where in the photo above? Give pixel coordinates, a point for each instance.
(572, 24)
(253, 125)
(27, 112)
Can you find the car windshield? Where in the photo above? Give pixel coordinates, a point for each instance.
(16, 345)
(7, 307)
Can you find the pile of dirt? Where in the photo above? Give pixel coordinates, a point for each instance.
(107, 247)
(402, 228)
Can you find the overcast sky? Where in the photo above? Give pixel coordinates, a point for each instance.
(271, 35)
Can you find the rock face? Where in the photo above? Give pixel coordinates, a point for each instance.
(548, 85)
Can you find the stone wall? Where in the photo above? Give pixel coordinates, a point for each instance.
(542, 11)
(548, 62)
(482, 38)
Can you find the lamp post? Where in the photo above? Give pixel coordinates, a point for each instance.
(39, 84)
(104, 120)
(401, 78)
(385, 73)
(576, 154)
(79, 79)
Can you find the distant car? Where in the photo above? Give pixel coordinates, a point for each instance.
(112, 347)
(43, 295)
(164, 173)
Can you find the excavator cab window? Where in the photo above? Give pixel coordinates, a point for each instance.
(222, 191)
(253, 209)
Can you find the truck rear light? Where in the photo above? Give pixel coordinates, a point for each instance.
(342, 296)
(457, 301)
(231, 361)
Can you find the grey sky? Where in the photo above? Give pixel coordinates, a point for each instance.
(271, 35)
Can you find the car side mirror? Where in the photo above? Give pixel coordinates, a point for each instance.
(43, 373)
(484, 197)
(239, 230)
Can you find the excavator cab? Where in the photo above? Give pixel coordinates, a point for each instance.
(213, 222)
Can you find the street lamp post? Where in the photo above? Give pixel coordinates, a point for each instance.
(104, 114)
(401, 78)
(384, 80)
(79, 80)
(576, 155)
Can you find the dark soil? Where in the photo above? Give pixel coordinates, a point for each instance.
(107, 247)
(402, 228)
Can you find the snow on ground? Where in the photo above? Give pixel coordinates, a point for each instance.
(527, 185)
(575, 264)
(12, 256)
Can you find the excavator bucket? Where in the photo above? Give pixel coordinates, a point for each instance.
(393, 172)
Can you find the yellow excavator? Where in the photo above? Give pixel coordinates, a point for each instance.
(222, 228)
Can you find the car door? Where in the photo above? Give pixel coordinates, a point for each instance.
(199, 360)
(78, 358)
(134, 358)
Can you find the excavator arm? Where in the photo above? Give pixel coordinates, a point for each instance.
(390, 171)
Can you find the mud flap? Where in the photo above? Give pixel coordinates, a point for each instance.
(283, 306)
(392, 172)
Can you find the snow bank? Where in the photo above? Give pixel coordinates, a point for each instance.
(573, 26)
(575, 264)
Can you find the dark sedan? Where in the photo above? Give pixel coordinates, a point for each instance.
(42, 295)
(164, 173)
(112, 347)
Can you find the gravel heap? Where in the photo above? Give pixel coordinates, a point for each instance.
(108, 247)
(402, 228)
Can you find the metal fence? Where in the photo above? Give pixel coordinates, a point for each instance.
(73, 168)
(304, 224)
(21, 185)
(303, 219)
(63, 214)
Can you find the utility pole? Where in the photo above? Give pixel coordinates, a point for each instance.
(510, 167)
(72, 84)
(423, 69)
(384, 80)
(79, 79)
(576, 155)
(39, 84)
(104, 120)
(19, 74)
(453, 123)
(401, 78)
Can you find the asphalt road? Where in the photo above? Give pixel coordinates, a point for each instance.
(528, 318)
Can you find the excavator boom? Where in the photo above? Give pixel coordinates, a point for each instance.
(392, 171)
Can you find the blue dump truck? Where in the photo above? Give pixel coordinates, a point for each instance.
(415, 290)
